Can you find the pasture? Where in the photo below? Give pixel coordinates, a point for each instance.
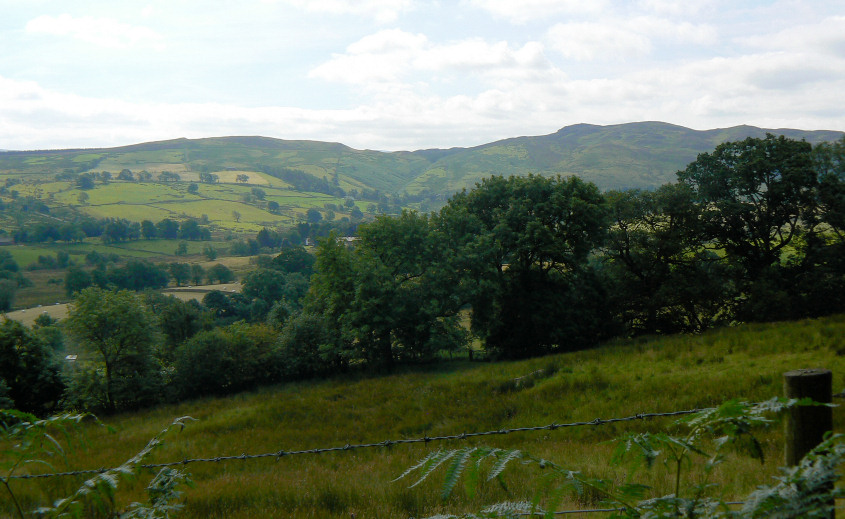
(622, 378)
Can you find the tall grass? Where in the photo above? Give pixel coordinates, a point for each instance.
(619, 379)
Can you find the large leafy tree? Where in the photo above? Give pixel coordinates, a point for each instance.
(536, 235)
(119, 331)
(753, 194)
(755, 197)
(661, 279)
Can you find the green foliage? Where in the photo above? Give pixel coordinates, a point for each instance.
(27, 441)
(295, 260)
(117, 328)
(530, 238)
(226, 360)
(219, 273)
(30, 375)
(661, 278)
(96, 496)
(806, 490)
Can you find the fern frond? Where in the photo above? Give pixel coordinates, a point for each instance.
(453, 473)
(506, 457)
(421, 463)
(441, 458)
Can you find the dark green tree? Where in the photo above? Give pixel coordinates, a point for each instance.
(180, 272)
(661, 279)
(531, 239)
(76, 279)
(148, 230)
(755, 196)
(295, 259)
(27, 367)
(117, 328)
(219, 273)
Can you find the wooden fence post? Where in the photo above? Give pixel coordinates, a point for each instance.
(806, 425)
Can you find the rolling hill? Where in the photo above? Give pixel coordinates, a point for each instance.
(299, 175)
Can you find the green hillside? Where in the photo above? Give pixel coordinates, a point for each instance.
(636, 155)
(618, 380)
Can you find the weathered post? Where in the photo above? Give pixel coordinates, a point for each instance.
(806, 425)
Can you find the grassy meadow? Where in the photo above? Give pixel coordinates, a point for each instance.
(621, 378)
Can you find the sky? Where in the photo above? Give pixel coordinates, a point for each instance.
(410, 74)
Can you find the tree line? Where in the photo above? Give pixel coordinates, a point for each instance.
(111, 230)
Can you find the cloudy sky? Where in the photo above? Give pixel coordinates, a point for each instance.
(410, 74)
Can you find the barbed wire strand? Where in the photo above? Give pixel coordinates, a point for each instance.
(387, 443)
(600, 510)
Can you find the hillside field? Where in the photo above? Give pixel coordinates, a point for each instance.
(620, 379)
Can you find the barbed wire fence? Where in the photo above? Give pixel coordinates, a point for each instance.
(386, 443)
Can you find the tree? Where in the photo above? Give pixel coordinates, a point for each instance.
(76, 279)
(313, 216)
(209, 178)
(148, 229)
(180, 272)
(193, 188)
(190, 230)
(197, 274)
(179, 321)
(660, 278)
(28, 369)
(118, 329)
(126, 174)
(295, 259)
(242, 178)
(220, 273)
(168, 176)
(530, 238)
(258, 193)
(273, 206)
(753, 194)
(85, 181)
(168, 229)
(8, 289)
(210, 252)
(236, 216)
(82, 198)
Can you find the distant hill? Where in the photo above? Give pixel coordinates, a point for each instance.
(634, 155)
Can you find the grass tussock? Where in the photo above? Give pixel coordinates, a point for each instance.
(619, 379)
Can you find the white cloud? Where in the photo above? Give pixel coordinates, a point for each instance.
(105, 32)
(383, 11)
(827, 36)
(395, 55)
(589, 41)
(526, 10)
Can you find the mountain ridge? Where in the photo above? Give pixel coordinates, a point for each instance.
(620, 156)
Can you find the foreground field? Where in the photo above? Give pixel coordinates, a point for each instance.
(620, 379)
